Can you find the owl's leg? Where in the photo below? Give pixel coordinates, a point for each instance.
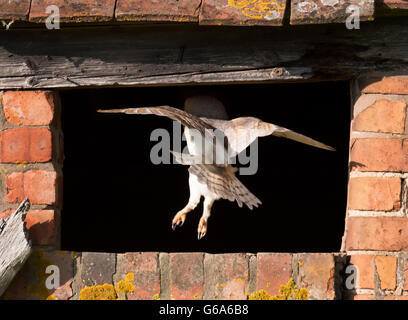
(202, 226)
(193, 201)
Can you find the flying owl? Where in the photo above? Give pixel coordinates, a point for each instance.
(208, 177)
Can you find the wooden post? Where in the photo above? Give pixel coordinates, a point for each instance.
(15, 247)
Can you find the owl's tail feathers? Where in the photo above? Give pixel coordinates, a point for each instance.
(242, 194)
(223, 182)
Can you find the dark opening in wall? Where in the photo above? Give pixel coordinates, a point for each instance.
(116, 200)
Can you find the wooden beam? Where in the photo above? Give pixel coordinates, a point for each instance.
(189, 54)
(14, 245)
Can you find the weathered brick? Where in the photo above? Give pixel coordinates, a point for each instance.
(29, 108)
(360, 297)
(393, 4)
(25, 144)
(40, 225)
(186, 275)
(238, 12)
(15, 187)
(73, 11)
(226, 276)
(38, 185)
(386, 85)
(30, 282)
(96, 268)
(14, 10)
(386, 269)
(157, 10)
(145, 267)
(316, 274)
(328, 11)
(273, 270)
(377, 233)
(380, 154)
(365, 270)
(396, 297)
(382, 116)
(373, 193)
(406, 275)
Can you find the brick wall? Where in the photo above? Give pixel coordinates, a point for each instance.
(31, 160)
(375, 241)
(165, 276)
(376, 235)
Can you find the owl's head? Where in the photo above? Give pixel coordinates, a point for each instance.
(206, 106)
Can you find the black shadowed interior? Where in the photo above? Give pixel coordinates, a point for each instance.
(117, 200)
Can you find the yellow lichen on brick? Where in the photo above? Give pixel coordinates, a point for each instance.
(259, 9)
(260, 295)
(222, 285)
(108, 291)
(196, 296)
(156, 296)
(286, 292)
(99, 292)
(239, 280)
(126, 285)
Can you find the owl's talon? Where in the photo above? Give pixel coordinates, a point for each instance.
(202, 228)
(178, 220)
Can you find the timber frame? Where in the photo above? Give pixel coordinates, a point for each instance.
(185, 54)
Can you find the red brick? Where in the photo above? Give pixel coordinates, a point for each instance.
(406, 275)
(25, 144)
(387, 269)
(372, 193)
(380, 154)
(365, 270)
(40, 225)
(361, 297)
(29, 108)
(396, 298)
(387, 85)
(145, 266)
(238, 12)
(186, 275)
(316, 11)
(382, 116)
(316, 274)
(393, 4)
(157, 10)
(14, 10)
(39, 186)
(377, 233)
(97, 268)
(273, 270)
(226, 276)
(14, 184)
(74, 11)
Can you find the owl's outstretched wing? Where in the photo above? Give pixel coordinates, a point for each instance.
(185, 118)
(241, 132)
(205, 129)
